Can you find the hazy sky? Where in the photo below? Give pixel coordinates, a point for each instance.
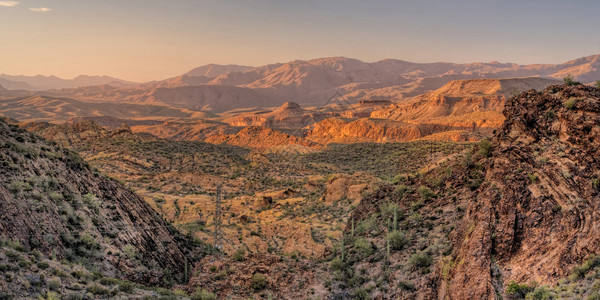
(148, 39)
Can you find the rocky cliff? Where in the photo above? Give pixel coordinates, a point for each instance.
(534, 217)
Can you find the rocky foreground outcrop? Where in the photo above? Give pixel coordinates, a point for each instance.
(53, 202)
(535, 217)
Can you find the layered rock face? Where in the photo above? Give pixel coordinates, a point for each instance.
(534, 217)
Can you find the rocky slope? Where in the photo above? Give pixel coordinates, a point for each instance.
(534, 217)
(55, 203)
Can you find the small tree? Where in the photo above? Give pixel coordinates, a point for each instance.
(598, 83)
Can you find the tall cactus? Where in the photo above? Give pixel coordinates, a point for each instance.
(388, 249)
(395, 217)
(343, 249)
(352, 228)
(186, 270)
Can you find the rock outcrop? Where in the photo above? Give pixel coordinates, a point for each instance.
(534, 218)
(53, 202)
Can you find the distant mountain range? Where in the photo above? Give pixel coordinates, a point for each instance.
(218, 88)
(41, 83)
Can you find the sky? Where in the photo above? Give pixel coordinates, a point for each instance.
(142, 40)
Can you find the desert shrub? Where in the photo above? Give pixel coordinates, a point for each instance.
(13, 256)
(571, 103)
(43, 265)
(540, 293)
(533, 178)
(387, 210)
(485, 148)
(336, 264)
(202, 294)
(597, 83)
(54, 196)
(425, 192)
(407, 286)
(400, 190)
(421, 260)
(129, 250)
(108, 281)
(97, 290)
(361, 294)
(74, 161)
(239, 254)
(397, 240)
(258, 281)
(363, 246)
(592, 262)
(126, 287)
(518, 291)
(90, 200)
(54, 284)
(569, 80)
(18, 186)
(594, 296)
(366, 226)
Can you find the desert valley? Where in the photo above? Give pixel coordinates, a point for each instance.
(336, 179)
(279, 150)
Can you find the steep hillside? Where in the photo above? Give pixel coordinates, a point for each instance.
(534, 218)
(55, 203)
